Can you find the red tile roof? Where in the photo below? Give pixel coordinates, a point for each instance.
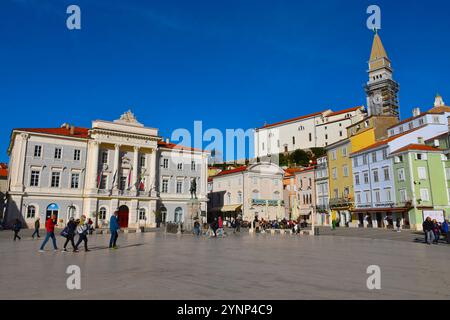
(3, 170)
(170, 145)
(226, 172)
(415, 146)
(78, 132)
(344, 111)
(385, 141)
(292, 120)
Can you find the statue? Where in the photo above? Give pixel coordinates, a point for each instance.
(193, 188)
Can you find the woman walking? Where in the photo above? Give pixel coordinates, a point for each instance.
(82, 230)
(69, 233)
(16, 228)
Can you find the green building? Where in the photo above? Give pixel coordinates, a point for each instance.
(421, 180)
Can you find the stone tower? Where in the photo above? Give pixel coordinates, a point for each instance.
(381, 90)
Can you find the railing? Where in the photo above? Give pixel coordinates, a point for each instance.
(322, 208)
(260, 202)
(340, 203)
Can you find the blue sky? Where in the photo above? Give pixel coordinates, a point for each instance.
(231, 64)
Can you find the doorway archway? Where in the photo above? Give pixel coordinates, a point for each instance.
(123, 216)
(52, 209)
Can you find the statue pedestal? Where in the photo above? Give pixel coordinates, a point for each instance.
(193, 212)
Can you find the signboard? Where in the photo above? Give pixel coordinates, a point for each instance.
(434, 214)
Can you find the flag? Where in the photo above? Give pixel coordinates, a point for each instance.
(114, 178)
(141, 183)
(129, 178)
(99, 179)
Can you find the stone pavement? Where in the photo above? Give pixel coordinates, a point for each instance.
(159, 266)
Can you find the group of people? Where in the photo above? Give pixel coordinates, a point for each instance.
(294, 225)
(75, 227)
(434, 230)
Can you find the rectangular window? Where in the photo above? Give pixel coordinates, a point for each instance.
(401, 174)
(58, 153)
(388, 195)
(368, 198)
(103, 182)
(366, 177)
(192, 165)
(76, 155)
(424, 195)
(365, 159)
(180, 166)
(37, 151)
(375, 176)
(357, 182)
(75, 181)
(345, 170)
(386, 174)
(104, 157)
(333, 155)
(165, 186)
(179, 186)
(422, 172)
(34, 178)
(142, 161)
(377, 196)
(355, 162)
(358, 198)
(310, 137)
(403, 196)
(374, 157)
(334, 173)
(165, 163)
(123, 183)
(336, 193)
(344, 151)
(385, 155)
(56, 177)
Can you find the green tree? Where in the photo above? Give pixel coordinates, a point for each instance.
(318, 152)
(300, 158)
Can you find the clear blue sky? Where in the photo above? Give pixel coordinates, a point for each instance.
(231, 64)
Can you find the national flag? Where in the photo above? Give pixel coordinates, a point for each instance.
(129, 178)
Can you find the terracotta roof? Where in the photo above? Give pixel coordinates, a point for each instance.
(78, 132)
(170, 145)
(415, 146)
(226, 172)
(435, 110)
(440, 109)
(344, 111)
(385, 141)
(3, 170)
(291, 120)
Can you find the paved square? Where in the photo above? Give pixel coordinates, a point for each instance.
(158, 266)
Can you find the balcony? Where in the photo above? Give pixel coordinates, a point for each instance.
(271, 203)
(323, 208)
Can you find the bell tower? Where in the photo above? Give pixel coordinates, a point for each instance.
(381, 89)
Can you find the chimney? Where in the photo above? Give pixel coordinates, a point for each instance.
(167, 140)
(416, 112)
(72, 130)
(420, 140)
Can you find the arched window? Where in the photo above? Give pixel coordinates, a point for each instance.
(163, 214)
(276, 195)
(31, 212)
(102, 214)
(239, 195)
(142, 214)
(255, 194)
(52, 210)
(178, 215)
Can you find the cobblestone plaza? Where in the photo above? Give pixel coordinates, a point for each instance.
(159, 266)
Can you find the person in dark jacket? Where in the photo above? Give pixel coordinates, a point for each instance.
(16, 228)
(37, 225)
(445, 231)
(114, 230)
(82, 230)
(428, 230)
(70, 228)
(436, 231)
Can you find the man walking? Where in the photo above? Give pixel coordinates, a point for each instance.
(50, 228)
(445, 231)
(16, 228)
(428, 230)
(114, 229)
(37, 225)
(82, 230)
(70, 234)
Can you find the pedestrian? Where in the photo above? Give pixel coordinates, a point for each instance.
(91, 227)
(69, 233)
(428, 230)
(398, 224)
(436, 231)
(37, 226)
(445, 230)
(114, 230)
(82, 230)
(17, 226)
(50, 228)
(237, 225)
(196, 227)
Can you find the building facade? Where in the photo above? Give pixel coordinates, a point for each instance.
(71, 171)
(251, 191)
(310, 131)
(322, 192)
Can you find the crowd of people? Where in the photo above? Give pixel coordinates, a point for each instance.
(82, 228)
(435, 230)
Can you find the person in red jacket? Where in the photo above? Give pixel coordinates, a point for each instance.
(50, 227)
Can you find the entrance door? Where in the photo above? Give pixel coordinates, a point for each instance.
(379, 220)
(123, 216)
(52, 209)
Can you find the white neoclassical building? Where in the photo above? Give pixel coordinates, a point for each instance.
(115, 165)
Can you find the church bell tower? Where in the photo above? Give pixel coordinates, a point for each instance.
(381, 89)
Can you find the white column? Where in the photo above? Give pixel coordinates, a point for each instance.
(92, 170)
(152, 172)
(116, 166)
(18, 167)
(135, 167)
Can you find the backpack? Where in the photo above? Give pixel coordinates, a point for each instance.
(65, 232)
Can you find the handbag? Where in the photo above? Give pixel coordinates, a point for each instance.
(65, 232)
